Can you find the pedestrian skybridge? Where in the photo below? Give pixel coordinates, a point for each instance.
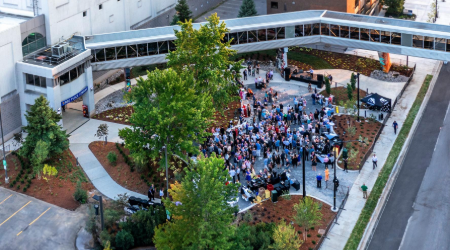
(149, 46)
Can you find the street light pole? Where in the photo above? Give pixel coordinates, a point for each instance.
(167, 173)
(357, 74)
(335, 182)
(4, 155)
(304, 176)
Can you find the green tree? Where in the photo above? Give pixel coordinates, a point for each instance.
(80, 194)
(353, 80)
(242, 236)
(349, 91)
(124, 240)
(38, 157)
(285, 237)
(43, 125)
(203, 219)
(307, 214)
(327, 85)
(395, 6)
(184, 14)
(142, 225)
(203, 52)
(175, 20)
(167, 112)
(247, 9)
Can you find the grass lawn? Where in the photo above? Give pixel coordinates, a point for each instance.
(314, 61)
(383, 177)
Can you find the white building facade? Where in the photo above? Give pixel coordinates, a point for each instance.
(29, 29)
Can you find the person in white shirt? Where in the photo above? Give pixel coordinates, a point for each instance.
(161, 192)
(374, 161)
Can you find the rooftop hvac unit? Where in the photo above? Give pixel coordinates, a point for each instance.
(61, 49)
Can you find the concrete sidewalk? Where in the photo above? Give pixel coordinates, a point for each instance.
(340, 233)
(79, 145)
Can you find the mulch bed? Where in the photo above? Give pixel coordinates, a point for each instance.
(117, 115)
(340, 94)
(366, 128)
(121, 173)
(269, 212)
(122, 115)
(58, 190)
(353, 62)
(305, 67)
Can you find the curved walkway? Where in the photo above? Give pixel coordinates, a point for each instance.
(79, 145)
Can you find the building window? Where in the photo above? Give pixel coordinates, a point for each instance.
(428, 42)
(274, 5)
(71, 75)
(440, 44)
(233, 38)
(418, 42)
(34, 80)
(33, 42)
(84, 13)
(100, 6)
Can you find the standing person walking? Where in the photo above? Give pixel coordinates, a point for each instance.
(151, 193)
(395, 125)
(364, 189)
(327, 176)
(374, 161)
(319, 180)
(245, 74)
(345, 165)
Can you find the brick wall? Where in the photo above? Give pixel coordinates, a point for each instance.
(10, 110)
(196, 6)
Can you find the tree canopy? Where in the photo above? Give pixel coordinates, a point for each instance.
(43, 128)
(247, 9)
(395, 6)
(204, 53)
(307, 214)
(167, 112)
(201, 216)
(183, 12)
(285, 237)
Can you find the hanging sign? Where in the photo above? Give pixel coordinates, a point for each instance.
(73, 98)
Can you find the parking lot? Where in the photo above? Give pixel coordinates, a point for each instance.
(28, 223)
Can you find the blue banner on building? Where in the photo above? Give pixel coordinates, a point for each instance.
(73, 98)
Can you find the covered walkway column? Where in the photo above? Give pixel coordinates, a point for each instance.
(285, 50)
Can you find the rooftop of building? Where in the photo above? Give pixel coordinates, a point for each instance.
(52, 56)
(288, 18)
(9, 20)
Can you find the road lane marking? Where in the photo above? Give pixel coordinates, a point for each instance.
(33, 221)
(38, 217)
(6, 199)
(15, 213)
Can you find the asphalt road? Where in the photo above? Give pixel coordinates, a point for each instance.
(29, 223)
(418, 203)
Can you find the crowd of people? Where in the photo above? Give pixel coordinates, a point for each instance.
(275, 133)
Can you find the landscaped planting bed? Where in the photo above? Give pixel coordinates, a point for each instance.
(126, 174)
(366, 129)
(57, 190)
(269, 212)
(123, 114)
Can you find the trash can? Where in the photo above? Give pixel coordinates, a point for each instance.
(274, 196)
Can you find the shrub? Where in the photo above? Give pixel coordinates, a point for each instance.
(309, 235)
(314, 242)
(319, 235)
(18, 187)
(22, 181)
(80, 194)
(312, 228)
(11, 185)
(24, 189)
(124, 240)
(112, 158)
(14, 182)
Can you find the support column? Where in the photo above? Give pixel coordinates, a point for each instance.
(285, 57)
(54, 97)
(88, 97)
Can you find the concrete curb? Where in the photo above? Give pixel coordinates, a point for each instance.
(376, 215)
